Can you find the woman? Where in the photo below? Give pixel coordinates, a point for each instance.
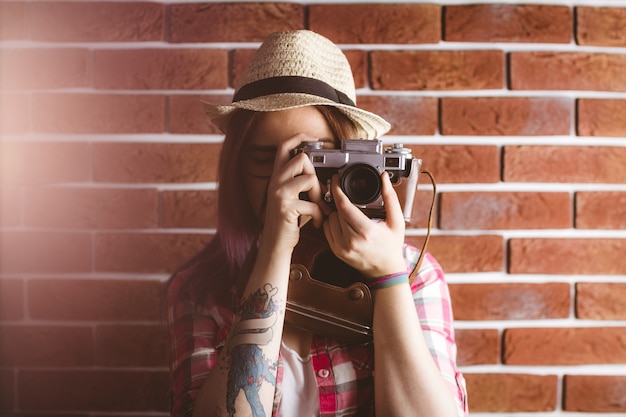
(232, 350)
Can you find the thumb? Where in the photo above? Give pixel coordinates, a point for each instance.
(395, 218)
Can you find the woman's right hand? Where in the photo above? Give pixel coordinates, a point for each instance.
(284, 208)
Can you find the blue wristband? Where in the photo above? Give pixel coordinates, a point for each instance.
(387, 281)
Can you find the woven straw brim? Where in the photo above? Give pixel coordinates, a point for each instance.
(369, 125)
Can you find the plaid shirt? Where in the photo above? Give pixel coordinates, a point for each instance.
(344, 373)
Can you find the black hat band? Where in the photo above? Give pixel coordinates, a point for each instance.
(291, 84)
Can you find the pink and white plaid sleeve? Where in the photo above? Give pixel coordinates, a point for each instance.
(434, 309)
(195, 335)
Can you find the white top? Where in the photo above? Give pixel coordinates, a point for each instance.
(300, 396)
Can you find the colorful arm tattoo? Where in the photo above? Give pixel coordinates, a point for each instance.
(249, 367)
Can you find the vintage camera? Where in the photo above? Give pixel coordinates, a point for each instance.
(359, 164)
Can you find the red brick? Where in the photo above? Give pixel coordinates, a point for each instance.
(44, 162)
(45, 252)
(189, 208)
(564, 346)
(232, 22)
(477, 346)
(155, 162)
(104, 390)
(14, 19)
(595, 393)
(567, 71)
(131, 345)
(600, 300)
(437, 70)
(359, 63)
(508, 23)
(14, 113)
(11, 299)
(506, 116)
(143, 252)
(465, 253)
(97, 21)
(407, 115)
(7, 393)
(504, 210)
(505, 392)
(585, 164)
(161, 69)
(510, 301)
(240, 59)
(186, 113)
(10, 206)
(601, 210)
(93, 299)
(567, 256)
(38, 68)
(47, 414)
(460, 163)
(602, 26)
(91, 208)
(46, 346)
(98, 113)
(377, 23)
(601, 117)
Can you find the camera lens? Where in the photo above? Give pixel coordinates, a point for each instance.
(361, 183)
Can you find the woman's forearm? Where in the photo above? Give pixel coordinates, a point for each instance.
(244, 378)
(407, 380)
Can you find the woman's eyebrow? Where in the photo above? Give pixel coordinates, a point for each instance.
(274, 148)
(263, 148)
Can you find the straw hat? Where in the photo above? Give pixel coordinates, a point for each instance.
(296, 69)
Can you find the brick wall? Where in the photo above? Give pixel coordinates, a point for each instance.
(109, 168)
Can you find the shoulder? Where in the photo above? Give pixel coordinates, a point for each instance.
(178, 282)
(181, 294)
(184, 309)
(177, 296)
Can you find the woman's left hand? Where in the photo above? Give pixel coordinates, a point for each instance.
(372, 247)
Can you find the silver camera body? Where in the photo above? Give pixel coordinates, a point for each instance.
(359, 164)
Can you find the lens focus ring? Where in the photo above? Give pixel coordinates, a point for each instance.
(361, 183)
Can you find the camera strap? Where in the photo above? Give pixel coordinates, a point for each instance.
(429, 225)
(326, 296)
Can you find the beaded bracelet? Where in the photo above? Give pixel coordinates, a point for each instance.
(387, 281)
